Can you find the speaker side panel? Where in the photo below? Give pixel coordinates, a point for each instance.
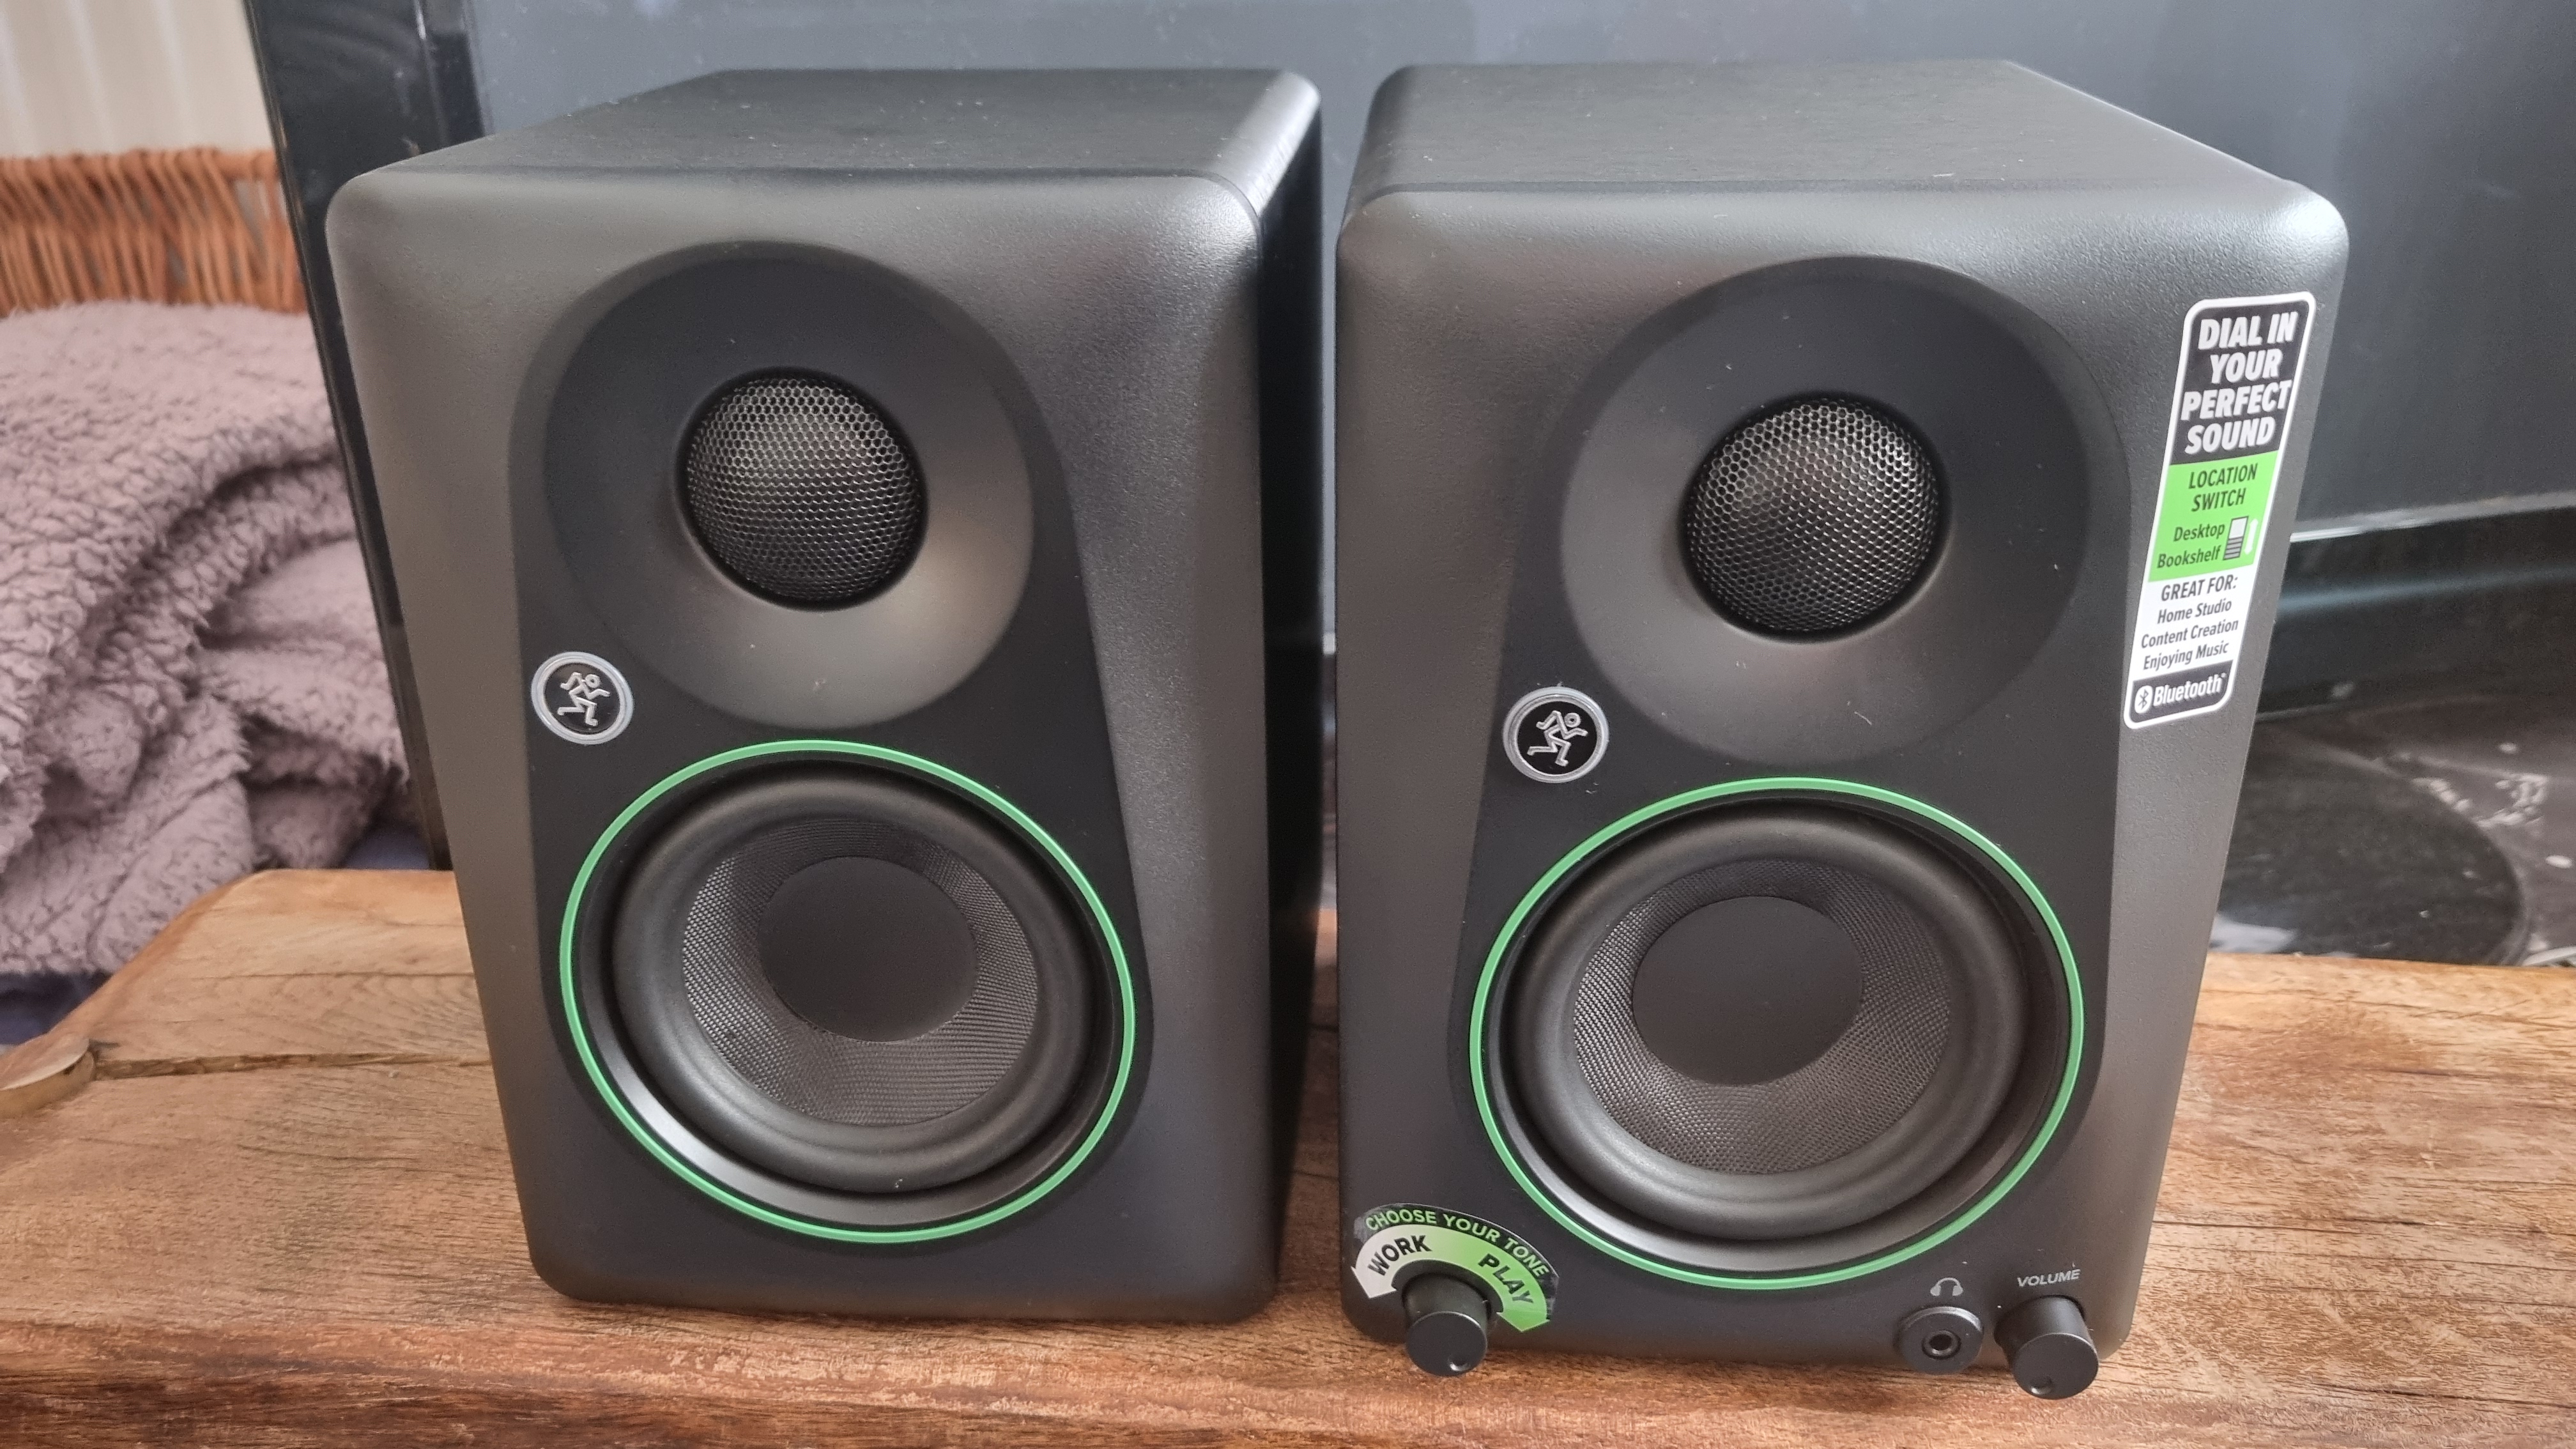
(1158, 416)
(437, 357)
(1129, 357)
(2179, 781)
(1460, 421)
(1294, 681)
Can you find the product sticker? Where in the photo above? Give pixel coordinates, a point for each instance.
(2241, 361)
(1395, 1242)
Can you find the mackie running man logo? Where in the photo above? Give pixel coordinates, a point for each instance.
(1558, 729)
(581, 698)
(585, 689)
(1555, 735)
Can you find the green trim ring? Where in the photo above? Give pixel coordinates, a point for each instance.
(568, 993)
(1481, 1067)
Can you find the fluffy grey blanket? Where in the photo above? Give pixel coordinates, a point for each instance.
(190, 682)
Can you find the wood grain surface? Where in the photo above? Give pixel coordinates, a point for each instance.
(281, 1214)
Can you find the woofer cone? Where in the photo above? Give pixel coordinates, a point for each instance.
(1768, 1021)
(856, 982)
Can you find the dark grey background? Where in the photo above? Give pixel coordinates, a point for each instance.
(2444, 131)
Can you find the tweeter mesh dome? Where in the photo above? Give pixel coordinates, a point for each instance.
(1813, 517)
(802, 490)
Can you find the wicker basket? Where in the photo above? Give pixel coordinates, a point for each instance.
(198, 225)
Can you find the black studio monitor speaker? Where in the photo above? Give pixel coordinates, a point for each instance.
(1807, 542)
(859, 535)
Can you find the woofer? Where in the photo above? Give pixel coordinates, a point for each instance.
(1772, 1021)
(843, 985)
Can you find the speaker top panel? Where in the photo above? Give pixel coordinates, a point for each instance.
(1938, 124)
(1242, 127)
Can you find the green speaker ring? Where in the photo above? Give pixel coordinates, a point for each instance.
(1121, 1072)
(1482, 1063)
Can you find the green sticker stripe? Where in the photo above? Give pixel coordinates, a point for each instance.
(2199, 503)
(570, 996)
(1480, 1070)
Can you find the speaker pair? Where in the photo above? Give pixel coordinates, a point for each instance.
(1805, 534)
(860, 536)
(1798, 622)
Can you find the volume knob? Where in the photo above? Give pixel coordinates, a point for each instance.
(1446, 1319)
(2051, 1350)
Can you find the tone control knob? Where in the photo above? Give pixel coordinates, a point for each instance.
(1942, 1339)
(2051, 1351)
(1445, 1324)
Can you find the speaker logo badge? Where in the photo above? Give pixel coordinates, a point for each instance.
(1555, 734)
(582, 698)
(2239, 379)
(1392, 1243)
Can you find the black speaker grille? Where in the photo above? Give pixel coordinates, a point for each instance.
(1812, 518)
(1830, 1107)
(802, 490)
(844, 1079)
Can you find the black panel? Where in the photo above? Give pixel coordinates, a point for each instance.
(353, 85)
(1295, 668)
(2443, 597)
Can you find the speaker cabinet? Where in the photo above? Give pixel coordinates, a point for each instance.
(1807, 541)
(859, 537)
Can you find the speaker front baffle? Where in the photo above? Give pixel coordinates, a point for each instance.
(1802, 599)
(859, 539)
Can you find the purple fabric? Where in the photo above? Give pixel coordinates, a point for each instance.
(190, 683)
